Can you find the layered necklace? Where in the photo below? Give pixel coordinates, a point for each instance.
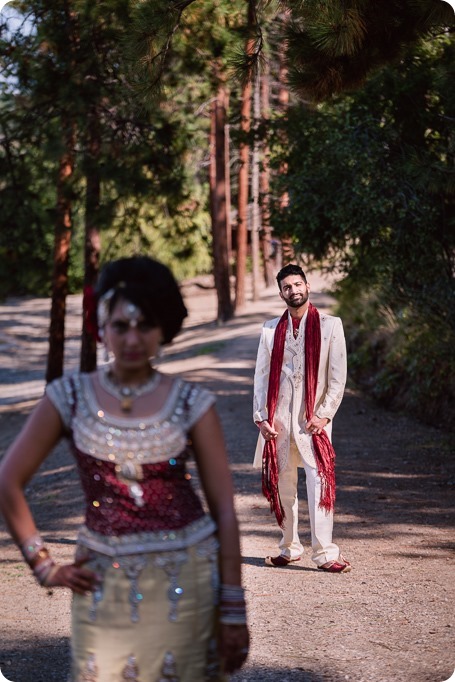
(295, 326)
(126, 394)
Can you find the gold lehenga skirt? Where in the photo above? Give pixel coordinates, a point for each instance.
(153, 619)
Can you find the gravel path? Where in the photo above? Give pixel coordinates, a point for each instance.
(390, 620)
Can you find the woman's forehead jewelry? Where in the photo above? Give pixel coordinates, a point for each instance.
(132, 312)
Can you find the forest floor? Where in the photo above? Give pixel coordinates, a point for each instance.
(390, 620)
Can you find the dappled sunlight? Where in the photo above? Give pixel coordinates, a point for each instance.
(393, 520)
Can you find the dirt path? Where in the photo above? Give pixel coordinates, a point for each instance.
(390, 620)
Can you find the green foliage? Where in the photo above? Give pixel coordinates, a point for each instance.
(371, 185)
(334, 46)
(403, 361)
(167, 39)
(70, 66)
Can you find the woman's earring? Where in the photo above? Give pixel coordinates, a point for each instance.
(106, 357)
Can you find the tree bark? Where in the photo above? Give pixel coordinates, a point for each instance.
(92, 235)
(287, 249)
(244, 151)
(218, 203)
(242, 209)
(264, 188)
(256, 214)
(62, 241)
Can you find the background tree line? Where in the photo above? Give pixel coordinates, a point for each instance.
(176, 127)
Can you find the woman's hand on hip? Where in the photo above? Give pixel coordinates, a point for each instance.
(74, 576)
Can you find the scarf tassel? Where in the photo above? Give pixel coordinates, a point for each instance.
(270, 482)
(325, 458)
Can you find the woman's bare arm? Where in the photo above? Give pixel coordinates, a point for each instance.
(41, 432)
(215, 475)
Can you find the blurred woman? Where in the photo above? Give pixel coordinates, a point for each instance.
(156, 579)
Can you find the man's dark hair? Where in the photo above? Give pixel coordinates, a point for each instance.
(290, 269)
(148, 284)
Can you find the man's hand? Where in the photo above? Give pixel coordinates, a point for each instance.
(267, 432)
(315, 424)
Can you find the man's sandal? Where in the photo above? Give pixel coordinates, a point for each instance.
(338, 566)
(279, 561)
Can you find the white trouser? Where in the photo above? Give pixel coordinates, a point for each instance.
(321, 522)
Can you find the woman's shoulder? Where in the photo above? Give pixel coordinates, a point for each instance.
(195, 400)
(63, 392)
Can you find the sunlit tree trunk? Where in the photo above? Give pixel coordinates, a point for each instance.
(264, 187)
(287, 250)
(227, 177)
(218, 204)
(256, 214)
(244, 151)
(242, 208)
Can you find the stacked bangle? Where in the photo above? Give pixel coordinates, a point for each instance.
(37, 557)
(32, 547)
(232, 605)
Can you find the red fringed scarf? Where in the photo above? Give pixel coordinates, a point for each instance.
(323, 449)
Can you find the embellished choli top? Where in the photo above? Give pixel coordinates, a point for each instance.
(138, 491)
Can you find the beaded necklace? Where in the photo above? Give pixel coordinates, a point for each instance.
(126, 394)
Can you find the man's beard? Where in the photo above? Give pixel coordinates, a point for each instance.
(298, 301)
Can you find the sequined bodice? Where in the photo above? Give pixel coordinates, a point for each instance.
(133, 471)
(162, 498)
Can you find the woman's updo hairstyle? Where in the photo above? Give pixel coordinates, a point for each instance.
(148, 284)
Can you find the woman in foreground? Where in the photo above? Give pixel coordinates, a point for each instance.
(156, 580)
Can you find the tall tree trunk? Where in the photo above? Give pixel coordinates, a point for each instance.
(244, 151)
(256, 214)
(264, 188)
(227, 176)
(62, 241)
(242, 209)
(218, 202)
(92, 235)
(287, 249)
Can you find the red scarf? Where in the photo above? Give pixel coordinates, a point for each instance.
(323, 449)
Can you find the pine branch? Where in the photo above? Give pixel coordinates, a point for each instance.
(153, 28)
(333, 46)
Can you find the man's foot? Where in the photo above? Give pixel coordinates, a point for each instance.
(280, 560)
(341, 565)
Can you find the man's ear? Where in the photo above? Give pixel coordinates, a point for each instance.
(281, 294)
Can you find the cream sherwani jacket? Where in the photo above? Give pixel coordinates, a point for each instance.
(290, 417)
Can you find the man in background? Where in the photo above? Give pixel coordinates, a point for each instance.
(298, 386)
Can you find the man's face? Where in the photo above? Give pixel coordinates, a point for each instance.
(294, 291)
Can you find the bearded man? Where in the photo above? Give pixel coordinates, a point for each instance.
(299, 383)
